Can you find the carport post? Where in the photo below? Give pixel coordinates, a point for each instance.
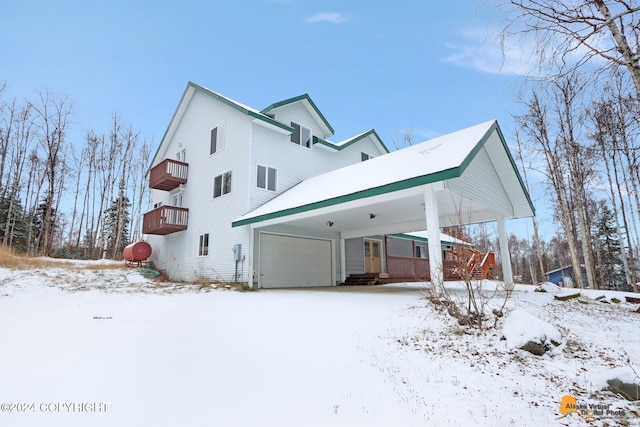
(343, 260)
(433, 234)
(507, 274)
(250, 254)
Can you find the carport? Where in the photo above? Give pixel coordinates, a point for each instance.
(462, 178)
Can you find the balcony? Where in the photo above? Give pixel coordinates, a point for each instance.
(169, 174)
(165, 220)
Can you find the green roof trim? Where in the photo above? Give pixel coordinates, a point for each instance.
(350, 142)
(397, 186)
(241, 108)
(224, 100)
(515, 168)
(370, 192)
(297, 99)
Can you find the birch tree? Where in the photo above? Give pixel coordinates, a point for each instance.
(21, 141)
(537, 125)
(570, 34)
(52, 115)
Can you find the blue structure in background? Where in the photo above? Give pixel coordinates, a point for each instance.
(564, 276)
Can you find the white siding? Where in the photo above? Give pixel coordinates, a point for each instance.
(246, 145)
(295, 163)
(297, 112)
(178, 252)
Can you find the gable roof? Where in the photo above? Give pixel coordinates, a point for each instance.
(188, 93)
(441, 159)
(341, 145)
(311, 107)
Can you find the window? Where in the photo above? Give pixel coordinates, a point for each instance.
(181, 156)
(177, 199)
(301, 135)
(421, 251)
(222, 184)
(366, 156)
(266, 178)
(217, 139)
(203, 245)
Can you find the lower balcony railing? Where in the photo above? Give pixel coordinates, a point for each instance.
(165, 220)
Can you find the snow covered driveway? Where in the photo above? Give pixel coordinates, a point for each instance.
(109, 348)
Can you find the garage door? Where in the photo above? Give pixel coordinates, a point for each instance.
(293, 261)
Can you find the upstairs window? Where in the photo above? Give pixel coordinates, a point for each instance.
(222, 184)
(266, 178)
(365, 156)
(181, 155)
(301, 135)
(217, 139)
(177, 199)
(203, 245)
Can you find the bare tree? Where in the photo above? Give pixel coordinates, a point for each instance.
(405, 140)
(21, 140)
(6, 129)
(536, 233)
(571, 34)
(52, 115)
(140, 189)
(537, 126)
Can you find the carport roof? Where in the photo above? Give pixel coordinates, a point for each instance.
(443, 159)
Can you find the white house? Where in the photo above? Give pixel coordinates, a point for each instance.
(264, 197)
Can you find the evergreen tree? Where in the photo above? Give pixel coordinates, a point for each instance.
(608, 245)
(38, 226)
(15, 223)
(116, 225)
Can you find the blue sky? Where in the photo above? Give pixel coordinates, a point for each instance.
(432, 66)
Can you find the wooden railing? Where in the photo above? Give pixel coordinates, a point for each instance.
(478, 265)
(407, 268)
(165, 220)
(168, 174)
(468, 264)
(487, 265)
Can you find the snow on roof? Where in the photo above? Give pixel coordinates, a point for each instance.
(420, 164)
(444, 238)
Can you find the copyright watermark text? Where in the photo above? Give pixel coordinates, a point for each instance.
(54, 407)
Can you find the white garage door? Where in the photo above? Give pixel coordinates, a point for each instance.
(292, 261)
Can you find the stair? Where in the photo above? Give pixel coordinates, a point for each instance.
(362, 279)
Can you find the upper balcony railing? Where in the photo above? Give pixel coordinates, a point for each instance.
(168, 174)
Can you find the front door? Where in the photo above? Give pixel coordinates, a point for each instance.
(372, 260)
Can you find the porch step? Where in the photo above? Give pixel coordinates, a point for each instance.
(362, 279)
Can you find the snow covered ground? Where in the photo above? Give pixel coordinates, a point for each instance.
(106, 347)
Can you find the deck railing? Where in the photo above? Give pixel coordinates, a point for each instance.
(168, 174)
(165, 220)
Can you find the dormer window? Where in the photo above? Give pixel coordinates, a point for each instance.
(301, 135)
(365, 156)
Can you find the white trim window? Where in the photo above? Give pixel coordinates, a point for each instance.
(364, 156)
(301, 135)
(177, 199)
(421, 252)
(181, 155)
(222, 184)
(266, 177)
(216, 143)
(203, 245)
